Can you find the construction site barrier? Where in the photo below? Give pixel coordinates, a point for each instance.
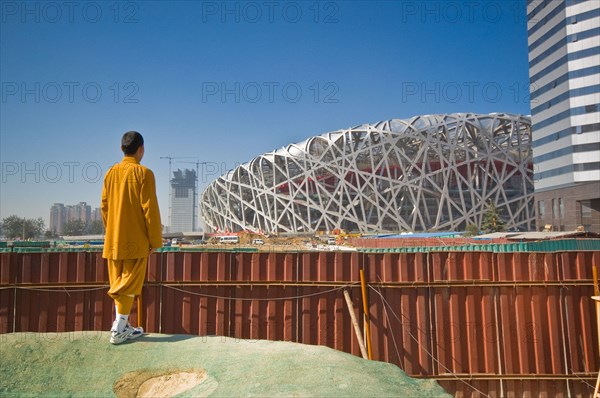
(482, 323)
(409, 245)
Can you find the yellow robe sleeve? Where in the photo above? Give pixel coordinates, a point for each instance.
(150, 209)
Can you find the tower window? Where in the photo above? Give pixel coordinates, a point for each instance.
(181, 192)
(541, 209)
(586, 208)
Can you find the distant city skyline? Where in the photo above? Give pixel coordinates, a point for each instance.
(61, 214)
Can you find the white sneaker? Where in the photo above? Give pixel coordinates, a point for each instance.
(115, 326)
(129, 333)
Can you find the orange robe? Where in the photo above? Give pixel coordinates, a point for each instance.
(130, 211)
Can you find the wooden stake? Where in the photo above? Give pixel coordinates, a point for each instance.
(359, 335)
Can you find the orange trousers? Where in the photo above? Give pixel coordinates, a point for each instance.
(126, 280)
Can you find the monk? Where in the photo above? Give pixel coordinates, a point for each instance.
(133, 231)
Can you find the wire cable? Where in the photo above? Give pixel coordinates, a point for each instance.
(57, 289)
(258, 298)
(385, 312)
(425, 348)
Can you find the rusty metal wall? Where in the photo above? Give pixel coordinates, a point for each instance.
(481, 323)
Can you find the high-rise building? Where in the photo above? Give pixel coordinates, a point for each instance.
(96, 214)
(564, 72)
(58, 217)
(183, 201)
(85, 212)
(61, 215)
(79, 212)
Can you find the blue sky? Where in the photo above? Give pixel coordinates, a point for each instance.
(222, 82)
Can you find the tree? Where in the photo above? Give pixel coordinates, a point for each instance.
(492, 222)
(472, 230)
(50, 234)
(74, 228)
(15, 227)
(95, 228)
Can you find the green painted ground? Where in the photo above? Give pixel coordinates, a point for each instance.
(85, 364)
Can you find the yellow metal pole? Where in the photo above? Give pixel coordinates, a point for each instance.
(596, 299)
(140, 314)
(595, 276)
(363, 287)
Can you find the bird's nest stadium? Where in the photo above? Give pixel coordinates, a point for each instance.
(426, 173)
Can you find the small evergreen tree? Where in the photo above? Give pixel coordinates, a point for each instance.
(492, 222)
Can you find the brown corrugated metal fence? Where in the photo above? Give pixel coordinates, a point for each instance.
(482, 323)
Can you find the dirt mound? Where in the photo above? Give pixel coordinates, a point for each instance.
(85, 364)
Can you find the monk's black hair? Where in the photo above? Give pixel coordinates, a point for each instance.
(131, 141)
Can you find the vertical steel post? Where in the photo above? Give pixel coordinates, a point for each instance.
(363, 287)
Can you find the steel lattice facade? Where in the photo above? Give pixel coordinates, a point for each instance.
(427, 173)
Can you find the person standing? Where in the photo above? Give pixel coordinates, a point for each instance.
(131, 219)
